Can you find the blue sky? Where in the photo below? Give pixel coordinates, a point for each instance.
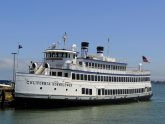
(135, 28)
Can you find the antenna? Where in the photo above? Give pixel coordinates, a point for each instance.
(108, 47)
(65, 38)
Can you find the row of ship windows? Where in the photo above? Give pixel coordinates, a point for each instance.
(60, 74)
(59, 55)
(103, 66)
(115, 91)
(108, 78)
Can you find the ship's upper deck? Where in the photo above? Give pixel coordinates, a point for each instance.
(71, 59)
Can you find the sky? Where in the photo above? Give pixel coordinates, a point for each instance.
(135, 28)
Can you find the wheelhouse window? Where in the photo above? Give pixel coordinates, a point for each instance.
(80, 63)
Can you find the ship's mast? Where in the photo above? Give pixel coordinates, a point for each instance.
(65, 38)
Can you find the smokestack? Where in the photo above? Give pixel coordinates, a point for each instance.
(84, 49)
(100, 50)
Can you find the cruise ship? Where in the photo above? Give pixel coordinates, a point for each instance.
(66, 77)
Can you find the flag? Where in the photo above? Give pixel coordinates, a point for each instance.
(20, 46)
(145, 59)
(108, 39)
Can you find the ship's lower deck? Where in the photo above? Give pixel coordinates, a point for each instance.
(48, 91)
(62, 101)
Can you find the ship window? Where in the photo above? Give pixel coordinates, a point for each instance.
(98, 78)
(95, 77)
(107, 78)
(53, 73)
(74, 56)
(89, 64)
(106, 67)
(66, 75)
(60, 74)
(114, 79)
(90, 91)
(119, 79)
(77, 75)
(110, 79)
(114, 92)
(92, 77)
(92, 65)
(86, 64)
(47, 55)
(73, 76)
(80, 63)
(53, 55)
(85, 77)
(103, 93)
(106, 92)
(57, 54)
(83, 90)
(95, 65)
(82, 77)
(65, 55)
(87, 92)
(103, 66)
(104, 78)
(89, 78)
(99, 92)
(98, 66)
(101, 78)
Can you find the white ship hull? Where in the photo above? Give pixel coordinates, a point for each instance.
(47, 91)
(66, 79)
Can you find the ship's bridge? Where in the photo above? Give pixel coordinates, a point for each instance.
(58, 57)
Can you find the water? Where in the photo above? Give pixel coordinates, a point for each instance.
(151, 112)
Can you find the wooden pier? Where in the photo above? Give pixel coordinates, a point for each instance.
(6, 96)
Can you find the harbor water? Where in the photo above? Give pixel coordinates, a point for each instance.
(150, 112)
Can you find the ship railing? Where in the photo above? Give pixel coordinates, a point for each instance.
(83, 68)
(138, 72)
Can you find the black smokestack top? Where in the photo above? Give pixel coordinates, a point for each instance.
(84, 45)
(100, 49)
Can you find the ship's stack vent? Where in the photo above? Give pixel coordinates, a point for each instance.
(84, 49)
(100, 51)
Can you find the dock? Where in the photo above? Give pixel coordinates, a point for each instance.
(6, 94)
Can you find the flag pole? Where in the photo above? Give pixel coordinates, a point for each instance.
(13, 66)
(108, 48)
(19, 47)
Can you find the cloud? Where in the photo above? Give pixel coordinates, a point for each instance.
(6, 63)
(6, 67)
